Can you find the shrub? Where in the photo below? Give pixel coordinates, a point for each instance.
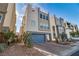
(74, 34)
(9, 36)
(2, 47)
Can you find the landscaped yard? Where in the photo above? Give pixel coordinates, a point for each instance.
(20, 50)
(9, 46)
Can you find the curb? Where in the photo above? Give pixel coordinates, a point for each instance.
(45, 52)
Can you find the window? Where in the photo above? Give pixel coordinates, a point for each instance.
(41, 26)
(40, 15)
(43, 16)
(0, 18)
(46, 17)
(44, 26)
(47, 26)
(5, 29)
(33, 10)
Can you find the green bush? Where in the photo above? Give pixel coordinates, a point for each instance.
(74, 34)
(9, 36)
(2, 47)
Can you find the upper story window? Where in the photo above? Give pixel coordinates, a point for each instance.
(33, 10)
(43, 16)
(0, 18)
(46, 17)
(44, 26)
(40, 15)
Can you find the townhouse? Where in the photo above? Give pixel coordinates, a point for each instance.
(37, 22)
(44, 27)
(10, 18)
(69, 27)
(3, 11)
(57, 27)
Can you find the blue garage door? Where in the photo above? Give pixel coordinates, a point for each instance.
(38, 39)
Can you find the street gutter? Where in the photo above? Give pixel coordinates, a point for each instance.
(70, 51)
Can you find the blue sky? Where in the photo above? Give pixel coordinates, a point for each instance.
(68, 11)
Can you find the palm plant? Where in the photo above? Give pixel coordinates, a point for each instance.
(9, 36)
(27, 38)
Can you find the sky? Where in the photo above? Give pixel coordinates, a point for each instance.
(68, 11)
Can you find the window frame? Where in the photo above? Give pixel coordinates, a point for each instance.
(41, 16)
(47, 17)
(44, 16)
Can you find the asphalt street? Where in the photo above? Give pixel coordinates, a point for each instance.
(75, 54)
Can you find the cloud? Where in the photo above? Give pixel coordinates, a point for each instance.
(24, 7)
(39, 6)
(20, 13)
(18, 23)
(19, 16)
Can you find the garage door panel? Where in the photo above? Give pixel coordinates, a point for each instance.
(38, 38)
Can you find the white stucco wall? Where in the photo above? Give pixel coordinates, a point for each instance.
(68, 32)
(32, 19)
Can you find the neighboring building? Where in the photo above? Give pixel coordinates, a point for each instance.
(3, 11)
(10, 18)
(21, 31)
(57, 27)
(69, 27)
(75, 28)
(37, 22)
